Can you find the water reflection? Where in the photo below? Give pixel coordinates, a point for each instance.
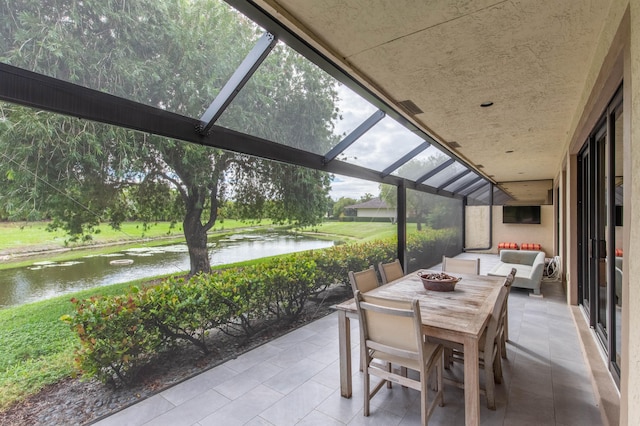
(45, 279)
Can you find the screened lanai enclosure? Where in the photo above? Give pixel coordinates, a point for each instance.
(206, 103)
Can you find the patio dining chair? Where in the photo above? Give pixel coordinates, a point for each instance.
(363, 281)
(391, 333)
(503, 326)
(462, 266)
(390, 271)
(489, 351)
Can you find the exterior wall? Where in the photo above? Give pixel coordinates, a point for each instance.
(477, 230)
(630, 383)
(376, 213)
(571, 261)
(616, 58)
(517, 233)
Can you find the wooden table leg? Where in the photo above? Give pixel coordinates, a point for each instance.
(344, 338)
(471, 382)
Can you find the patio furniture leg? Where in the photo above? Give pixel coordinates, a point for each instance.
(344, 337)
(471, 383)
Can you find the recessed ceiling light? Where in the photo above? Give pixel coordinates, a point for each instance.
(486, 104)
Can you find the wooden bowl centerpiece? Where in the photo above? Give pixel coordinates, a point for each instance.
(438, 281)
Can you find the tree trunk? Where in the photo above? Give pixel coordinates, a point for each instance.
(196, 236)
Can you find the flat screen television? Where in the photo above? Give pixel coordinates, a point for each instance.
(618, 216)
(521, 214)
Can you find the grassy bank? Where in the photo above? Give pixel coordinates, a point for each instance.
(37, 348)
(355, 231)
(33, 236)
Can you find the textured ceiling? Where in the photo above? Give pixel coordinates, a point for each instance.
(528, 57)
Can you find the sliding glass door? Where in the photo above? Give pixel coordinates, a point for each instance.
(600, 223)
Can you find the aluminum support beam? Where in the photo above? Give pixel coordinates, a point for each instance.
(237, 81)
(363, 128)
(435, 171)
(478, 192)
(401, 222)
(472, 192)
(454, 179)
(415, 151)
(467, 185)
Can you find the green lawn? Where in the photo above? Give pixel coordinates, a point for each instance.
(358, 231)
(24, 236)
(37, 348)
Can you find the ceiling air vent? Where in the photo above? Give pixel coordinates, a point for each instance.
(410, 107)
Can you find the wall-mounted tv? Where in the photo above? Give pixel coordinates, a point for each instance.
(521, 214)
(618, 216)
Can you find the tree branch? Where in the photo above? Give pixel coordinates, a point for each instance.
(176, 182)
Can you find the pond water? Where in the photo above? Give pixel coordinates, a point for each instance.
(44, 280)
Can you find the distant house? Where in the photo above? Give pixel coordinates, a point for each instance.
(374, 208)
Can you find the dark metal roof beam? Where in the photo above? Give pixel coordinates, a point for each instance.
(475, 189)
(354, 136)
(237, 81)
(24, 87)
(480, 192)
(455, 178)
(415, 151)
(461, 189)
(500, 196)
(435, 171)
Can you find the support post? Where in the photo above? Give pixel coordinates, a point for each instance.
(401, 212)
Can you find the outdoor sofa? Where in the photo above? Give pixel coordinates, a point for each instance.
(529, 265)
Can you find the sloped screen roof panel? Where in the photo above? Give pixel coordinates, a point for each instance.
(381, 146)
(175, 56)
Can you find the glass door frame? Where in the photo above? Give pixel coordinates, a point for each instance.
(596, 224)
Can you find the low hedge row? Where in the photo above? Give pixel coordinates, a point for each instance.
(119, 334)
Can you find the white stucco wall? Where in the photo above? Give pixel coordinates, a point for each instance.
(630, 386)
(477, 232)
(376, 213)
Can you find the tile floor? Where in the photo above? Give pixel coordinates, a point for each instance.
(294, 380)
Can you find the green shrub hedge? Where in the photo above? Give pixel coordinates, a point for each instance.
(119, 334)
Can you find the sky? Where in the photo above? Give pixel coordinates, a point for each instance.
(373, 149)
(343, 186)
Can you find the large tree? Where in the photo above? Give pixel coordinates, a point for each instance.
(175, 55)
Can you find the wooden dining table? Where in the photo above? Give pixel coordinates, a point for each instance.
(459, 316)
